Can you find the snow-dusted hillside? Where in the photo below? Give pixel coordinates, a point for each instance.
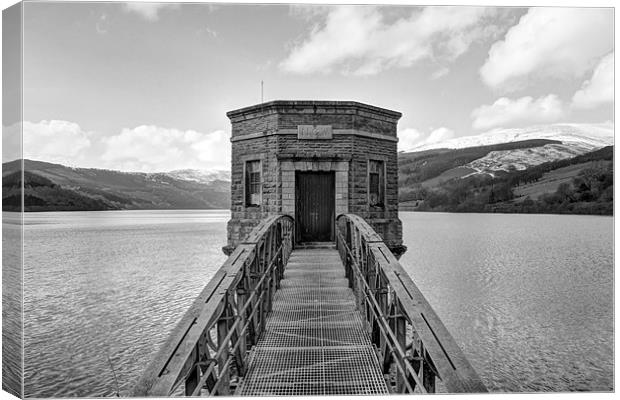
(523, 158)
(584, 137)
(202, 176)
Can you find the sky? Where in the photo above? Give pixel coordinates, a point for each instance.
(146, 86)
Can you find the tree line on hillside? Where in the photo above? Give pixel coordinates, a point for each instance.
(41, 194)
(590, 192)
(54, 187)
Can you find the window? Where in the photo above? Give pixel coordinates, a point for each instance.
(252, 183)
(376, 183)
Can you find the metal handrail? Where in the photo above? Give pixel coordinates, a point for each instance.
(413, 344)
(207, 351)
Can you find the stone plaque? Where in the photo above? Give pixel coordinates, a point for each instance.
(313, 132)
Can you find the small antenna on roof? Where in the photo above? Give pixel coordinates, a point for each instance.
(262, 87)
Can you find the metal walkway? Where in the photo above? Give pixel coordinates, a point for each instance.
(302, 314)
(314, 342)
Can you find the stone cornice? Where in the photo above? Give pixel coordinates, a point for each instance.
(336, 132)
(310, 106)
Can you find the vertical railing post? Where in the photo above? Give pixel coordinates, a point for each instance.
(416, 364)
(375, 331)
(264, 260)
(269, 283)
(359, 279)
(192, 379)
(382, 300)
(256, 304)
(347, 261)
(239, 336)
(428, 373)
(247, 290)
(279, 269)
(202, 358)
(223, 325)
(398, 324)
(205, 358)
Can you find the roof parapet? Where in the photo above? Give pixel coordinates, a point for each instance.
(282, 105)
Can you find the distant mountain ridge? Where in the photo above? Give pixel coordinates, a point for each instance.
(587, 137)
(199, 175)
(49, 187)
(564, 141)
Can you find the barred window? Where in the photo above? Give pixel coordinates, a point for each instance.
(376, 183)
(252, 183)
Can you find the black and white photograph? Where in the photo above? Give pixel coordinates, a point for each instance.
(307, 199)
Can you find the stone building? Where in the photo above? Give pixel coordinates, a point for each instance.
(314, 160)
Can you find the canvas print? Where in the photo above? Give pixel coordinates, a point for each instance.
(226, 199)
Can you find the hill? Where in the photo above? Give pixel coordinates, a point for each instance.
(513, 170)
(56, 187)
(431, 167)
(581, 184)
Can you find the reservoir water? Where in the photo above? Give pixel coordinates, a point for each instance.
(529, 298)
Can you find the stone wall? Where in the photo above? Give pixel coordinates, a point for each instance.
(268, 132)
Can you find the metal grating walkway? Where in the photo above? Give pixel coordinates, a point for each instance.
(314, 342)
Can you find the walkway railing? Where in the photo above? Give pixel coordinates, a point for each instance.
(414, 346)
(206, 354)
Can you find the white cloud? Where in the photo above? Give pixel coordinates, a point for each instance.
(599, 89)
(505, 111)
(145, 148)
(411, 138)
(408, 138)
(150, 148)
(148, 11)
(358, 40)
(549, 43)
(55, 141)
(439, 135)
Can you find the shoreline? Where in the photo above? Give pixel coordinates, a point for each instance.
(11, 212)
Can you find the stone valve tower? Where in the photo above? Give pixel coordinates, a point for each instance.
(314, 160)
